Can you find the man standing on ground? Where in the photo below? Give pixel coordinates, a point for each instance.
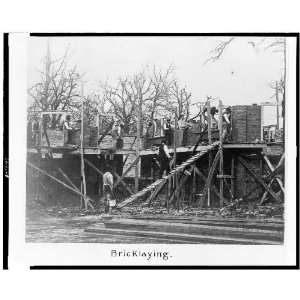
(108, 184)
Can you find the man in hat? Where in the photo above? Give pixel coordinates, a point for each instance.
(226, 123)
(164, 159)
(149, 134)
(108, 184)
(67, 129)
(168, 132)
(183, 126)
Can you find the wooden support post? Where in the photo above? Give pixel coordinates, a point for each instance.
(277, 107)
(209, 122)
(180, 186)
(209, 142)
(232, 187)
(258, 179)
(83, 181)
(229, 188)
(138, 141)
(211, 173)
(130, 148)
(221, 170)
(262, 122)
(194, 182)
(169, 193)
(213, 188)
(175, 159)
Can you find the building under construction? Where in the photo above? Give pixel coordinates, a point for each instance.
(210, 169)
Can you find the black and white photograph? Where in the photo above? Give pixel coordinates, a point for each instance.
(156, 140)
(154, 149)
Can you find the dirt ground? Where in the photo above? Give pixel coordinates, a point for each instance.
(58, 224)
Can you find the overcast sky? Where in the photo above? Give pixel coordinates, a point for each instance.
(241, 76)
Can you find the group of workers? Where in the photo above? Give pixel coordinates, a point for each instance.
(152, 130)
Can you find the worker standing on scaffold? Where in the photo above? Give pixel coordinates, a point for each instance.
(168, 132)
(68, 129)
(226, 124)
(164, 159)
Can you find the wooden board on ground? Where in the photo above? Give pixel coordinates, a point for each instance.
(182, 237)
(194, 229)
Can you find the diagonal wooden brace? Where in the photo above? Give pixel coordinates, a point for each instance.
(258, 179)
(101, 173)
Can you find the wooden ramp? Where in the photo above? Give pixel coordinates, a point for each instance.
(158, 183)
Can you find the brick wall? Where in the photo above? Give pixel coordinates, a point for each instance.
(246, 123)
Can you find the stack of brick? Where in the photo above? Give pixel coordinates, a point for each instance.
(93, 142)
(246, 123)
(253, 123)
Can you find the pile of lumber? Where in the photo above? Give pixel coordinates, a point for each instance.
(193, 230)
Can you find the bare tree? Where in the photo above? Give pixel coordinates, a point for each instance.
(216, 53)
(148, 89)
(180, 98)
(58, 87)
(91, 108)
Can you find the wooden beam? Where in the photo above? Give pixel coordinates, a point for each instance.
(130, 148)
(138, 140)
(211, 173)
(175, 160)
(224, 176)
(88, 199)
(155, 192)
(204, 178)
(55, 179)
(169, 193)
(273, 170)
(258, 178)
(101, 173)
(180, 185)
(126, 172)
(82, 170)
(264, 196)
(228, 188)
(67, 178)
(209, 142)
(221, 170)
